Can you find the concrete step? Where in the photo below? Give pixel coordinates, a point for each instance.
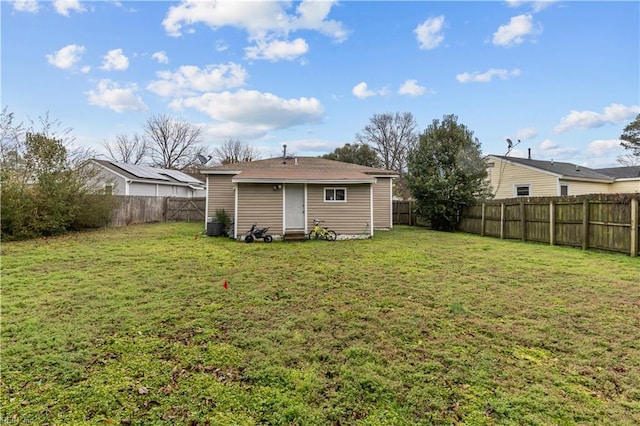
(290, 236)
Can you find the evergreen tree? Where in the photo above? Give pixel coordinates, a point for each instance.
(445, 172)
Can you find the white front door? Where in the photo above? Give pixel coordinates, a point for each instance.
(294, 206)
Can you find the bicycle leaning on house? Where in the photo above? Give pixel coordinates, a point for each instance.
(321, 233)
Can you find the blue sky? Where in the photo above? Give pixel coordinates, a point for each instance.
(563, 77)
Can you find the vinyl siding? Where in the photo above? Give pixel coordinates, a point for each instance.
(382, 204)
(505, 176)
(625, 186)
(104, 177)
(221, 195)
(580, 188)
(259, 203)
(351, 218)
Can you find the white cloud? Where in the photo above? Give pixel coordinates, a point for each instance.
(411, 88)
(277, 49)
(429, 33)
(361, 91)
(115, 60)
(614, 113)
(526, 133)
(66, 57)
(85, 69)
(536, 6)
(514, 32)
(29, 6)
(109, 94)
(259, 19)
(312, 15)
(551, 149)
(161, 57)
(487, 76)
(64, 6)
(189, 80)
(221, 46)
(603, 147)
(263, 111)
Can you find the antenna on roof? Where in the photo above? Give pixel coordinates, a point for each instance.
(204, 160)
(510, 145)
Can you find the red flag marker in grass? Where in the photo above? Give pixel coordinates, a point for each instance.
(225, 285)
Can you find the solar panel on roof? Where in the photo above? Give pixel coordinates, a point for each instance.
(142, 171)
(179, 176)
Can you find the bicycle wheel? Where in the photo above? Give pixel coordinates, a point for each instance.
(331, 235)
(313, 235)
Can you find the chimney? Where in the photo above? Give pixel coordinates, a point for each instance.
(529, 153)
(284, 154)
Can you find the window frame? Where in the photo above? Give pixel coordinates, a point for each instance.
(519, 186)
(335, 190)
(564, 185)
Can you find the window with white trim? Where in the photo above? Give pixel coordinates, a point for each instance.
(335, 195)
(522, 190)
(564, 190)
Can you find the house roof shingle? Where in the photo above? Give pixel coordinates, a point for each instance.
(568, 170)
(299, 169)
(621, 172)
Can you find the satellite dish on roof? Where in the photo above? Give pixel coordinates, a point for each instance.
(509, 143)
(203, 159)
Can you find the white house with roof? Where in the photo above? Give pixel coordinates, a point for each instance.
(512, 177)
(129, 179)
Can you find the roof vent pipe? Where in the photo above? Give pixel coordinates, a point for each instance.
(284, 154)
(529, 153)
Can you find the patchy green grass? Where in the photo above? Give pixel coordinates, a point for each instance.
(134, 326)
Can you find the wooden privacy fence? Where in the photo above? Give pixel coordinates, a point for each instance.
(595, 221)
(403, 213)
(138, 209)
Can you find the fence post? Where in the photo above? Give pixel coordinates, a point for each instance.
(552, 223)
(585, 224)
(523, 222)
(634, 228)
(502, 224)
(483, 221)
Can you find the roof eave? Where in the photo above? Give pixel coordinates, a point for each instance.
(220, 172)
(293, 180)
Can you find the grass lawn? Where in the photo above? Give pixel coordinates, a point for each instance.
(134, 326)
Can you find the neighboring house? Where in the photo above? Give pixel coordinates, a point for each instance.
(287, 193)
(626, 179)
(128, 179)
(523, 177)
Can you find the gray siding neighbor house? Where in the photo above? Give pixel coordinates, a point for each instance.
(288, 193)
(128, 179)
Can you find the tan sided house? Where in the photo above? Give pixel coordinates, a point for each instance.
(288, 193)
(512, 177)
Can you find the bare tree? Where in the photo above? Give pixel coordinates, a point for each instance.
(628, 160)
(391, 136)
(235, 151)
(130, 150)
(173, 142)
